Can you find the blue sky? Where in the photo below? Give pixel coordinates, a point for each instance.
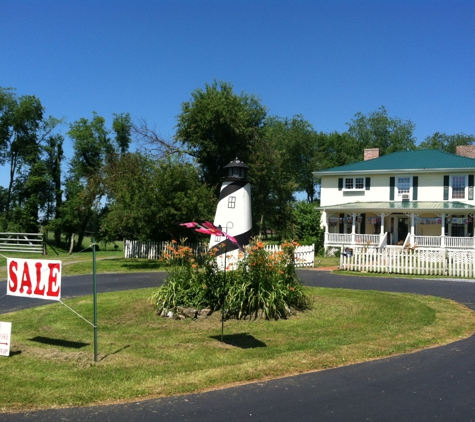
(325, 60)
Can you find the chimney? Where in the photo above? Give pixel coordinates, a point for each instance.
(371, 153)
(466, 151)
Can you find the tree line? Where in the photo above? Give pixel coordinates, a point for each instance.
(109, 191)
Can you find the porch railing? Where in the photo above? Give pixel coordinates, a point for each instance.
(448, 242)
(338, 239)
(444, 242)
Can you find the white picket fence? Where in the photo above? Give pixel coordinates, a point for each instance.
(155, 250)
(304, 255)
(439, 262)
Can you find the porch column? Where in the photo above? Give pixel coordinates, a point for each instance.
(353, 228)
(327, 224)
(381, 233)
(413, 220)
(442, 232)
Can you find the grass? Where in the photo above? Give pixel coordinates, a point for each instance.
(81, 263)
(142, 355)
(326, 261)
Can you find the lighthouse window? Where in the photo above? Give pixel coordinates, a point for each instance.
(232, 202)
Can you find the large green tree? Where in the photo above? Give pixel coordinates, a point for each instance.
(94, 146)
(447, 143)
(218, 125)
(147, 198)
(379, 130)
(20, 121)
(26, 138)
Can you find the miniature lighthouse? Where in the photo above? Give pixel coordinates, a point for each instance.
(233, 214)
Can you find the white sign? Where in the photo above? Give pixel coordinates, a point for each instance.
(5, 334)
(35, 278)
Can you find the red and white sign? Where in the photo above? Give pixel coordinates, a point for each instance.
(5, 334)
(36, 278)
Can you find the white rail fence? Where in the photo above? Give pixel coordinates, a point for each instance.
(304, 255)
(441, 262)
(22, 242)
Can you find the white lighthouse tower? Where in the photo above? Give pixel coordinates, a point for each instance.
(233, 214)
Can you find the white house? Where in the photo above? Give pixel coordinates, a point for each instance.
(420, 197)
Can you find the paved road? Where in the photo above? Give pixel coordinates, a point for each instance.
(430, 385)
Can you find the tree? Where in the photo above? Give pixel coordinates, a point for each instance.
(447, 143)
(217, 125)
(276, 171)
(92, 147)
(122, 126)
(296, 140)
(378, 130)
(272, 190)
(148, 198)
(307, 222)
(20, 121)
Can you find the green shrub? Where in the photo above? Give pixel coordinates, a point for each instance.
(264, 284)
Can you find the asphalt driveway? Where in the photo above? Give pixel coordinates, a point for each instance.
(435, 384)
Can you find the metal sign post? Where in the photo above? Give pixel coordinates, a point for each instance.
(94, 284)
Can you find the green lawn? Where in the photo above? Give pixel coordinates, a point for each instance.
(81, 263)
(142, 355)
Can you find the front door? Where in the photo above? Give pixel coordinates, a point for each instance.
(402, 229)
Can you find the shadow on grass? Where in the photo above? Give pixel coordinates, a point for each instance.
(117, 351)
(241, 340)
(141, 265)
(59, 342)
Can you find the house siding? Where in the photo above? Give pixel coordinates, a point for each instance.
(430, 187)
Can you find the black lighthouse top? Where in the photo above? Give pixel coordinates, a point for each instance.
(236, 170)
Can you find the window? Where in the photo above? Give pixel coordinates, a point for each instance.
(232, 202)
(354, 183)
(403, 185)
(458, 187)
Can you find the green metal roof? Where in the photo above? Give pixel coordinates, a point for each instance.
(420, 160)
(401, 206)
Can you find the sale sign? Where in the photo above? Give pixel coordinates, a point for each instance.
(5, 334)
(35, 278)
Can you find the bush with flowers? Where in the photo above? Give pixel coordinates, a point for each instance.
(262, 285)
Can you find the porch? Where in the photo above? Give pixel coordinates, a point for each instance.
(439, 225)
(341, 240)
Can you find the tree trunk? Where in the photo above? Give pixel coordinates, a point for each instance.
(71, 245)
(260, 226)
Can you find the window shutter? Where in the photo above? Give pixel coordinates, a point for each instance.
(367, 183)
(363, 224)
(415, 184)
(340, 183)
(470, 187)
(392, 182)
(342, 226)
(446, 188)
